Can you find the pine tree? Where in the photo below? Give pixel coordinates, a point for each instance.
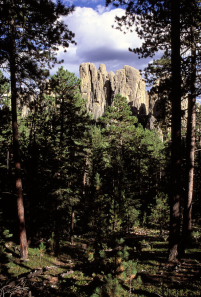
(190, 148)
(71, 125)
(5, 132)
(31, 32)
(120, 132)
(58, 151)
(126, 160)
(164, 25)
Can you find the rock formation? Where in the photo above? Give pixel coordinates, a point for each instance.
(99, 88)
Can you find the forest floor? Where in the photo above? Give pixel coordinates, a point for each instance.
(75, 274)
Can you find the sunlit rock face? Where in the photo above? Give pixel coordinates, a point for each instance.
(99, 87)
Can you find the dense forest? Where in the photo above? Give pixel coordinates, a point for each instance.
(101, 207)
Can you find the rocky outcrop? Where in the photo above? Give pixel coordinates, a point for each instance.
(99, 88)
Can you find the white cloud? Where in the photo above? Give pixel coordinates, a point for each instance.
(98, 42)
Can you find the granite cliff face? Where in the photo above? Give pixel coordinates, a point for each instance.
(99, 88)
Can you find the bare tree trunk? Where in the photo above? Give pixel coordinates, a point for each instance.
(72, 225)
(16, 150)
(190, 150)
(175, 195)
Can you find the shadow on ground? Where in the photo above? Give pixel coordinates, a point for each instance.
(71, 274)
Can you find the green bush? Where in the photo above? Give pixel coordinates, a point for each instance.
(159, 217)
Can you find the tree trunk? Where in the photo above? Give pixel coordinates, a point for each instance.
(16, 149)
(190, 150)
(62, 122)
(72, 225)
(175, 195)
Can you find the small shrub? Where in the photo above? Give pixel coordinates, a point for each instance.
(196, 235)
(111, 288)
(4, 236)
(160, 213)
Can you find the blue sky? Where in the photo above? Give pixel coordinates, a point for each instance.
(86, 3)
(97, 41)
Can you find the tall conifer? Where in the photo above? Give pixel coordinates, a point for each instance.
(164, 25)
(30, 33)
